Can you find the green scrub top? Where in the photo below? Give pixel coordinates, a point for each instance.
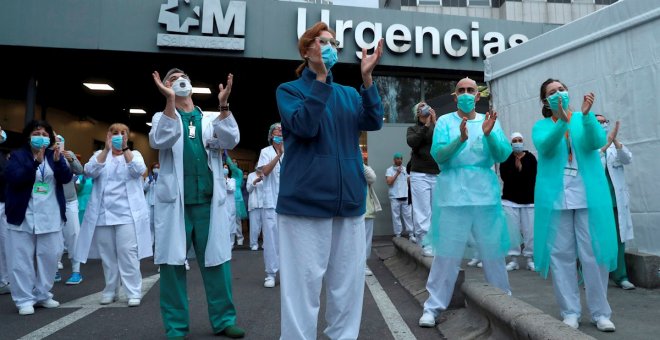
(197, 177)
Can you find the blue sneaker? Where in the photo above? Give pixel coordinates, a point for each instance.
(75, 279)
(58, 277)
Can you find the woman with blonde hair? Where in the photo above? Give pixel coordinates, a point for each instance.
(116, 224)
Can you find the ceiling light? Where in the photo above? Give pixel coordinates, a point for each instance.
(98, 87)
(138, 111)
(201, 90)
(148, 123)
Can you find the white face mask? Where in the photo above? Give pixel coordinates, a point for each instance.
(156, 171)
(182, 87)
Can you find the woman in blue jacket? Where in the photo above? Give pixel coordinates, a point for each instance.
(322, 197)
(35, 175)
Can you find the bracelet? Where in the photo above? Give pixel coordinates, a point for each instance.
(224, 108)
(126, 148)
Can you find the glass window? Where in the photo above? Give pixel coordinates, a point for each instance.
(428, 2)
(479, 3)
(398, 94)
(454, 3)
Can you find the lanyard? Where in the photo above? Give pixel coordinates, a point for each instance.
(42, 170)
(568, 140)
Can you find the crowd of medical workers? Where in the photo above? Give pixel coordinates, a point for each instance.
(468, 186)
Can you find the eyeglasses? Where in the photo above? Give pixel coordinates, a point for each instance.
(606, 121)
(331, 41)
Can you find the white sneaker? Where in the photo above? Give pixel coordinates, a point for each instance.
(239, 242)
(626, 285)
(187, 265)
(133, 302)
(368, 272)
(427, 251)
(254, 248)
(572, 321)
(412, 238)
(4, 288)
(480, 264)
(50, 303)
(473, 263)
(531, 266)
(106, 300)
(427, 320)
(604, 324)
(60, 265)
(269, 282)
(26, 310)
(513, 265)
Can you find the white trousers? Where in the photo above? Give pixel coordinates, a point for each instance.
(521, 220)
(442, 279)
(32, 264)
(318, 251)
(256, 222)
(117, 246)
(271, 242)
(70, 232)
(421, 188)
(152, 225)
(572, 233)
(237, 231)
(4, 269)
(401, 208)
(369, 235)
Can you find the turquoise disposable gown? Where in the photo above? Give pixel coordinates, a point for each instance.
(467, 195)
(587, 137)
(237, 175)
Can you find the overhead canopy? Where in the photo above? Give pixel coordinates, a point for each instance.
(614, 53)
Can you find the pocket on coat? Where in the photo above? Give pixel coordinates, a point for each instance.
(167, 189)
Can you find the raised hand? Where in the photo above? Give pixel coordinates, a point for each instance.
(464, 131)
(611, 137)
(587, 102)
(108, 141)
(315, 60)
(489, 123)
(56, 154)
(40, 155)
(561, 114)
(166, 91)
(223, 96)
(369, 62)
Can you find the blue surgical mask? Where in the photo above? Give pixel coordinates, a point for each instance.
(465, 102)
(329, 55)
(39, 142)
(553, 100)
(277, 139)
(517, 147)
(226, 171)
(117, 141)
(3, 137)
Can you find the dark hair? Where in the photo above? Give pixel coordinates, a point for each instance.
(545, 111)
(307, 38)
(34, 125)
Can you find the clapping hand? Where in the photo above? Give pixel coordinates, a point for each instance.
(464, 131)
(166, 91)
(223, 96)
(489, 123)
(587, 102)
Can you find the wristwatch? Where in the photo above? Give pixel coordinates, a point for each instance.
(224, 107)
(126, 148)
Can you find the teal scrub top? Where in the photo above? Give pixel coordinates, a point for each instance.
(197, 176)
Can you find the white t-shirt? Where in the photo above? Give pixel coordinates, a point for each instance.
(398, 189)
(115, 208)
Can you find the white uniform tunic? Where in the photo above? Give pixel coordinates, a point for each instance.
(398, 193)
(255, 208)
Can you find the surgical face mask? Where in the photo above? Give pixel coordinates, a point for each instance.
(182, 87)
(517, 147)
(39, 142)
(226, 171)
(117, 141)
(553, 100)
(329, 55)
(605, 127)
(277, 139)
(156, 171)
(465, 102)
(3, 137)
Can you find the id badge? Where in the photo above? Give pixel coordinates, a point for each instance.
(191, 131)
(41, 188)
(570, 172)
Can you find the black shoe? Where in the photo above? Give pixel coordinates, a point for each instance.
(233, 332)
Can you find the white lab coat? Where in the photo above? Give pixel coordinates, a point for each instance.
(256, 192)
(166, 135)
(616, 159)
(85, 248)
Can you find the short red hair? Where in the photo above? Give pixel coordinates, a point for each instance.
(307, 38)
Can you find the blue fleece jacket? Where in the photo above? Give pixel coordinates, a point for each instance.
(20, 175)
(322, 173)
